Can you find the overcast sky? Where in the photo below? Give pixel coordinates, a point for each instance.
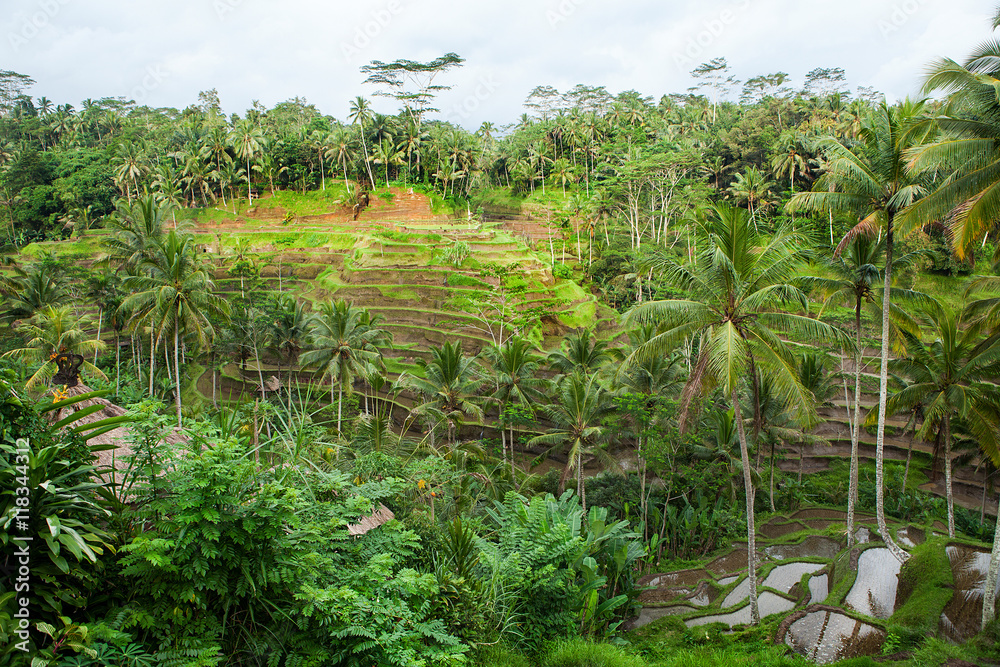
(163, 52)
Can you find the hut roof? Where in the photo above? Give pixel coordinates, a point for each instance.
(371, 521)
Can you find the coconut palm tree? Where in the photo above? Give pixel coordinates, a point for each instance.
(752, 187)
(857, 269)
(50, 332)
(248, 141)
(359, 113)
(739, 291)
(341, 152)
(173, 294)
(346, 342)
(580, 351)
(953, 379)
(967, 152)
(790, 157)
(134, 230)
(872, 181)
(290, 330)
(577, 412)
(451, 388)
(514, 367)
(30, 291)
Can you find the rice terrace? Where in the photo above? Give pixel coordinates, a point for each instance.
(710, 378)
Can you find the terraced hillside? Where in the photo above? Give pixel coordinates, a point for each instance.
(397, 259)
(433, 277)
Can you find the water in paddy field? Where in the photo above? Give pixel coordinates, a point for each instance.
(811, 547)
(819, 588)
(650, 614)
(962, 616)
(874, 590)
(767, 603)
(825, 637)
(783, 577)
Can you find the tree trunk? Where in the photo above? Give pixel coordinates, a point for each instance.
(772, 475)
(100, 321)
(751, 529)
(947, 476)
(177, 375)
(852, 490)
(989, 599)
(340, 404)
(118, 363)
(883, 390)
(581, 488)
(152, 349)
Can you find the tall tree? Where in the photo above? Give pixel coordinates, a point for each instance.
(739, 291)
(578, 408)
(857, 270)
(451, 388)
(872, 181)
(346, 342)
(173, 294)
(953, 378)
(411, 82)
(360, 112)
(248, 140)
(514, 369)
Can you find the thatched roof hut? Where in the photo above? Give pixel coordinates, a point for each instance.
(114, 443)
(371, 521)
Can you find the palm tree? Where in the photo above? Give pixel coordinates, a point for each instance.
(856, 270)
(579, 406)
(30, 291)
(739, 290)
(871, 180)
(580, 351)
(320, 141)
(129, 165)
(290, 330)
(346, 342)
(134, 230)
(450, 388)
(173, 295)
(341, 152)
(967, 152)
(952, 378)
(789, 157)
(514, 371)
(360, 112)
(248, 140)
(752, 187)
(53, 331)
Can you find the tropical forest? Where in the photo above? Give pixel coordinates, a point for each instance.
(710, 378)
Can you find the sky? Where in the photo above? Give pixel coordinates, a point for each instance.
(163, 52)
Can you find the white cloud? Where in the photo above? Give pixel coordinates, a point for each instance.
(253, 49)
